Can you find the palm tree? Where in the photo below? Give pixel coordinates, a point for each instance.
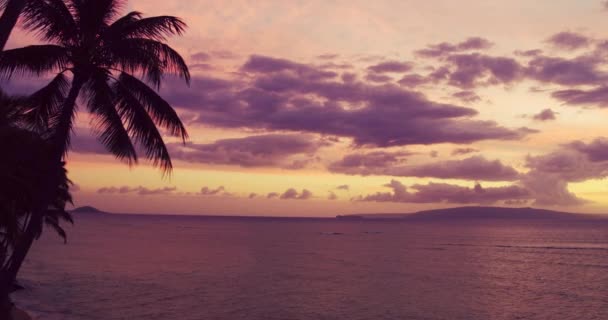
(22, 169)
(110, 64)
(10, 15)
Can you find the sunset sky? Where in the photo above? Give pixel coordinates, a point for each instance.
(318, 108)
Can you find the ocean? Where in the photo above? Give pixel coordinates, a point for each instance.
(179, 267)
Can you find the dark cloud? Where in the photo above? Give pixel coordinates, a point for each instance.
(284, 95)
(447, 193)
(200, 56)
(201, 66)
(545, 115)
(338, 66)
(473, 168)
(413, 80)
(272, 195)
(596, 150)
(444, 48)
(224, 54)
(332, 196)
(576, 97)
(252, 195)
(550, 190)
(375, 77)
(434, 154)
(206, 191)
(292, 194)
(390, 164)
(328, 56)
(142, 191)
(263, 64)
(343, 187)
(252, 151)
(462, 151)
(569, 164)
(582, 70)
(569, 40)
(368, 163)
(528, 53)
(390, 66)
(550, 174)
(474, 70)
(218, 54)
(349, 77)
(466, 96)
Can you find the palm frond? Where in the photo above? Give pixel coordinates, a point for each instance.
(51, 20)
(95, 15)
(35, 59)
(142, 128)
(107, 122)
(45, 103)
(160, 110)
(53, 222)
(150, 57)
(12, 110)
(155, 28)
(115, 30)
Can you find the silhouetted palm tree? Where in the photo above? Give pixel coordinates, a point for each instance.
(23, 168)
(100, 59)
(8, 20)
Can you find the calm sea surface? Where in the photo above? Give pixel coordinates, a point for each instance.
(160, 267)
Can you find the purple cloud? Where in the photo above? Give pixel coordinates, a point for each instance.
(447, 193)
(368, 163)
(596, 150)
(473, 70)
(142, 191)
(390, 164)
(577, 97)
(374, 77)
(463, 151)
(206, 191)
(292, 194)
(545, 115)
(391, 66)
(582, 70)
(413, 80)
(569, 40)
(466, 96)
(288, 96)
(444, 48)
(263, 64)
(272, 195)
(473, 168)
(252, 151)
(328, 56)
(200, 56)
(343, 187)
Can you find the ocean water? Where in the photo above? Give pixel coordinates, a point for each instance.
(162, 267)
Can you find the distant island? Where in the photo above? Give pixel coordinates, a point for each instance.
(88, 209)
(475, 213)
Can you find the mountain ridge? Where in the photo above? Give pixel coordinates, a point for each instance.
(476, 213)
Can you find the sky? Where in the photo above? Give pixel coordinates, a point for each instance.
(319, 108)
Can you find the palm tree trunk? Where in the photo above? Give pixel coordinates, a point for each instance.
(9, 19)
(6, 305)
(51, 182)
